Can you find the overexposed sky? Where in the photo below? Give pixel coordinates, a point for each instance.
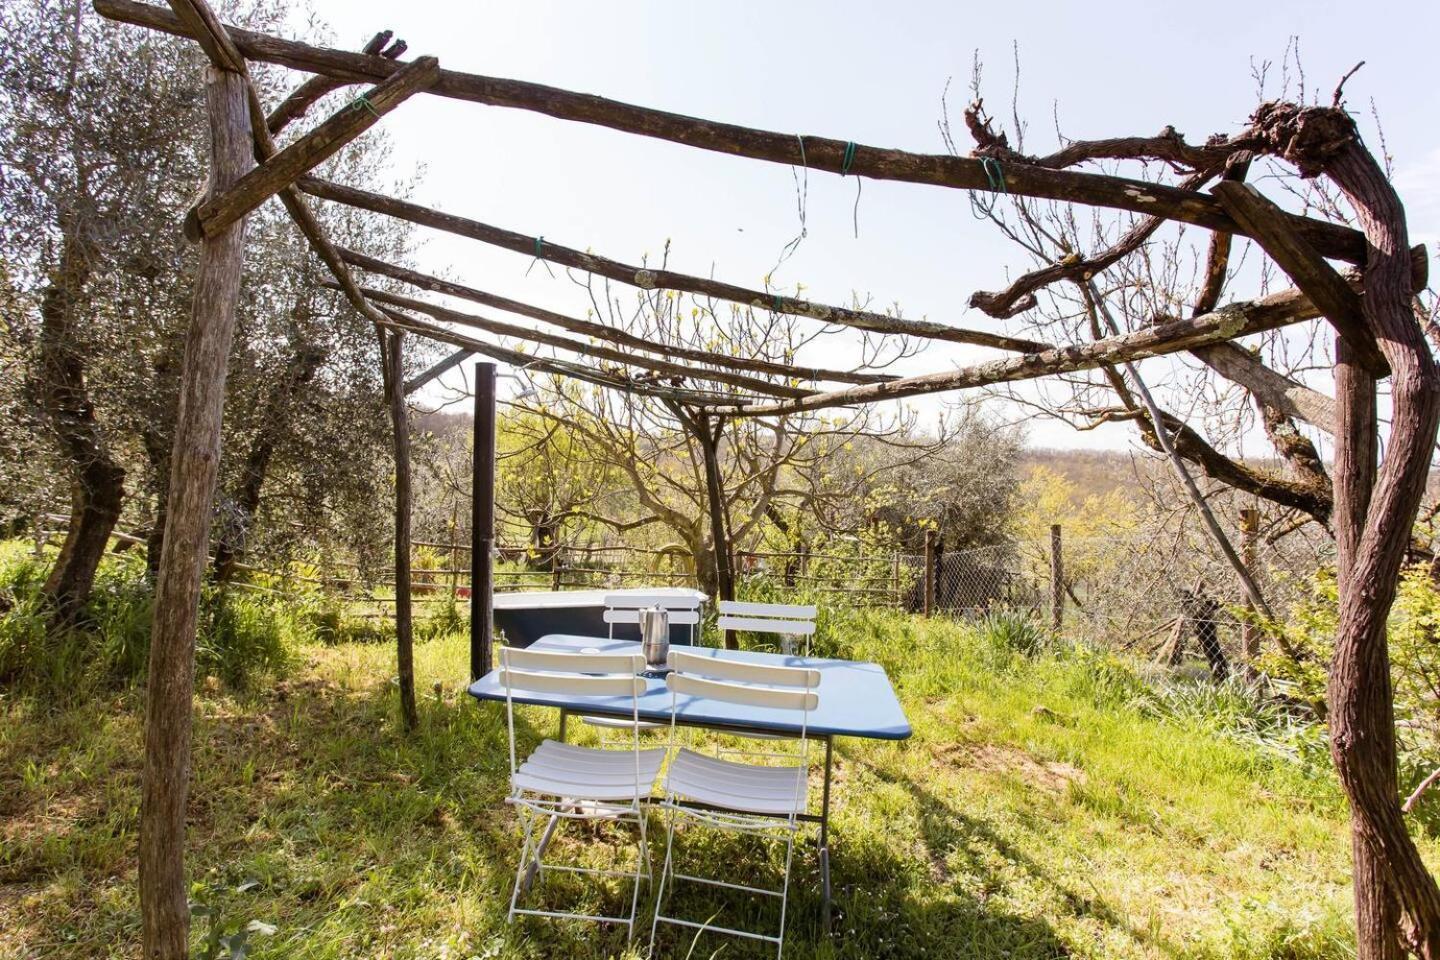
(872, 73)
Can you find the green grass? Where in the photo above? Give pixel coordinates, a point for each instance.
(1044, 808)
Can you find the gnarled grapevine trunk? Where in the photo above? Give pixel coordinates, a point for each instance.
(1397, 899)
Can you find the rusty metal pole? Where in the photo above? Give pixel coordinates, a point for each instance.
(482, 523)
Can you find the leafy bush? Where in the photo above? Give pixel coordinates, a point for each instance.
(240, 636)
(1414, 641)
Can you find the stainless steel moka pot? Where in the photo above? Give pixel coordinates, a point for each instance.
(655, 636)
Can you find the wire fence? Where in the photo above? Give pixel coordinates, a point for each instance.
(1168, 594)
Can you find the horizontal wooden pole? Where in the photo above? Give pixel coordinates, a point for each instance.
(602, 331)
(1226, 323)
(312, 149)
(648, 279)
(816, 153)
(580, 348)
(424, 377)
(398, 320)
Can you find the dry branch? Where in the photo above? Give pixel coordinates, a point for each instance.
(600, 330)
(816, 153)
(1227, 323)
(430, 373)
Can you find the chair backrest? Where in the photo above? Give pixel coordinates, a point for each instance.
(786, 619)
(574, 674)
(625, 608)
(743, 682)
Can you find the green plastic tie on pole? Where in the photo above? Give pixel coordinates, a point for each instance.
(994, 174)
(539, 248)
(364, 101)
(848, 158)
(775, 303)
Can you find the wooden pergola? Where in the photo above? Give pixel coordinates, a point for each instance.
(1370, 309)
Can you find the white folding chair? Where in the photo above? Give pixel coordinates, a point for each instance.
(739, 797)
(561, 781)
(624, 608)
(786, 619)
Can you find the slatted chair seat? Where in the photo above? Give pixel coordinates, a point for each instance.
(772, 791)
(583, 773)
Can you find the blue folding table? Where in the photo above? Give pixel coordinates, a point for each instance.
(855, 700)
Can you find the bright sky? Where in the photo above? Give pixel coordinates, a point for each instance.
(865, 72)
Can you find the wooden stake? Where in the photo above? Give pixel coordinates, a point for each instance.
(1249, 538)
(928, 603)
(404, 616)
(1057, 581)
(165, 914)
(321, 143)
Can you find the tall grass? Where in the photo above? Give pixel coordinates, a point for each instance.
(244, 633)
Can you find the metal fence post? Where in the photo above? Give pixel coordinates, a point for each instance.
(1249, 535)
(929, 601)
(1057, 580)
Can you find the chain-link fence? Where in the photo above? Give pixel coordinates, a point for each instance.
(1167, 593)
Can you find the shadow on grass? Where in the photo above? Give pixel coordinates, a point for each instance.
(313, 811)
(958, 847)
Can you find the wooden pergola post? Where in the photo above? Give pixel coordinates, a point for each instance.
(394, 359)
(165, 913)
(482, 524)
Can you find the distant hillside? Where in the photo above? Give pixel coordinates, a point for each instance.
(1094, 472)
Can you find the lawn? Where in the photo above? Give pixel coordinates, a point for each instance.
(1039, 811)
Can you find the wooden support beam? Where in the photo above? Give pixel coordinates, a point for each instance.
(1274, 230)
(396, 320)
(600, 330)
(312, 149)
(648, 279)
(1274, 389)
(450, 362)
(579, 348)
(303, 97)
(1226, 323)
(202, 24)
(815, 153)
(193, 464)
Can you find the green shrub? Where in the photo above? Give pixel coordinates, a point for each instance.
(1013, 631)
